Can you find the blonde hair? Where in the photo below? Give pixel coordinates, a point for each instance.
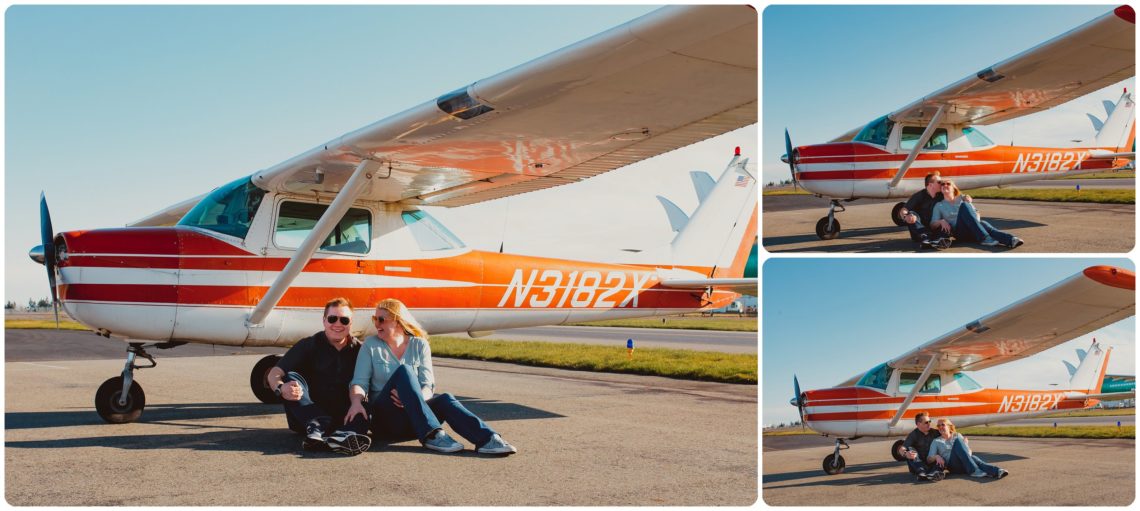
(403, 316)
(949, 425)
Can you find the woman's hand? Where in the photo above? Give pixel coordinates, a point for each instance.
(941, 462)
(355, 409)
(396, 399)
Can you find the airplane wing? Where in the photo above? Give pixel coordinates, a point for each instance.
(674, 77)
(1085, 59)
(744, 286)
(170, 215)
(1096, 297)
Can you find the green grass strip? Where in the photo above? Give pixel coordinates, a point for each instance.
(1096, 412)
(64, 324)
(1093, 195)
(682, 364)
(1051, 432)
(721, 324)
(1120, 174)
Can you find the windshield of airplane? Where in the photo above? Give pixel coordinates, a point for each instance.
(965, 382)
(877, 377)
(228, 209)
(876, 132)
(429, 234)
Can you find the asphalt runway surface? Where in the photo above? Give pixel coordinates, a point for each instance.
(1043, 472)
(584, 439)
(1047, 227)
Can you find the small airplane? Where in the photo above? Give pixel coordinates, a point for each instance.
(890, 156)
(884, 401)
(253, 262)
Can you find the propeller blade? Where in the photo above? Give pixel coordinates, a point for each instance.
(47, 241)
(791, 161)
(799, 400)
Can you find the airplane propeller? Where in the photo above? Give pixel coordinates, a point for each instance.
(789, 157)
(798, 401)
(47, 245)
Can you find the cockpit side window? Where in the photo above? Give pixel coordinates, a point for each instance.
(876, 132)
(877, 377)
(229, 209)
(910, 135)
(933, 383)
(296, 220)
(429, 234)
(976, 138)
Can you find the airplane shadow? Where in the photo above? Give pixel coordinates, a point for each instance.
(901, 243)
(898, 474)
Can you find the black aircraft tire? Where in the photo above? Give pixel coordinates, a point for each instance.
(895, 214)
(895, 451)
(837, 469)
(823, 233)
(107, 401)
(257, 381)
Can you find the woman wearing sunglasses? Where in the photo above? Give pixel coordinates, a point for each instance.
(954, 216)
(951, 451)
(395, 368)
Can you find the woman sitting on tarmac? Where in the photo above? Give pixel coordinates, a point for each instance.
(951, 451)
(395, 367)
(959, 218)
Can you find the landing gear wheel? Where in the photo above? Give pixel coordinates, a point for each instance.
(895, 214)
(257, 381)
(823, 233)
(832, 470)
(895, 451)
(107, 401)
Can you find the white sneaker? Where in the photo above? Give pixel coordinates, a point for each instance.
(442, 442)
(496, 445)
(978, 473)
(990, 242)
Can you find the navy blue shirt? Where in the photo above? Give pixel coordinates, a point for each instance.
(326, 369)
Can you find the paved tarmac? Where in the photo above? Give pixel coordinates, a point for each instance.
(1048, 227)
(1043, 472)
(584, 439)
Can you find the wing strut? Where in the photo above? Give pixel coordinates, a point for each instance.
(913, 392)
(926, 134)
(321, 230)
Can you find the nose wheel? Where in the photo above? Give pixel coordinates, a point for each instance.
(827, 228)
(833, 463)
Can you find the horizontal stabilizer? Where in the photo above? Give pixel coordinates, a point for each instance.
(1112, 396)
(742, 286)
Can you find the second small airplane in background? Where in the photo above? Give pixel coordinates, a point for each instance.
(890, 156)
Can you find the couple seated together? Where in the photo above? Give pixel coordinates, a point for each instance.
(335, 388)
(931, 452)
(940, 211)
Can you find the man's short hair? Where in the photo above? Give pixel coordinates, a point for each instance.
(920, 416)
(931, 176)
(338, 302)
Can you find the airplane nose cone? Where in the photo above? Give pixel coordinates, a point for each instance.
(784, 158)
(37, 254)
(795, 401)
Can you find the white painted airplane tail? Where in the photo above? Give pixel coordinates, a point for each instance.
(1117, 132)
(1089, 375)
(721, 232)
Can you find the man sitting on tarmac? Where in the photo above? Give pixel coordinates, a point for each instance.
(313, 379)
(919, 210)
(916, 447)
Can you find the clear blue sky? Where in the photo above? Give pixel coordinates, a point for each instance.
(826, 320)
(828, 69)
(118, 112)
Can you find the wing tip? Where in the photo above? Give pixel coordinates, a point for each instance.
(1126, 13)
(1112, 276)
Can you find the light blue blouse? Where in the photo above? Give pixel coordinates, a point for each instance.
(376, 363)
(947, 210)
(942, 447)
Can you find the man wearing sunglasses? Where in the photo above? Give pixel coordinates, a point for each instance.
(917, 446)
(312, 378)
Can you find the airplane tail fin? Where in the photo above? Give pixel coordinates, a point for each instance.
(1089, 376)
(722, 231)
(1118, 132)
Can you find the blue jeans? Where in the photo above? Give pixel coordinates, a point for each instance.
(971, 227)
(418, 418)
(300, 413)
(917, 231)
(962, 462)
(918, 465)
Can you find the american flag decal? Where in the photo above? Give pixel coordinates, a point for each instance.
(741, 181)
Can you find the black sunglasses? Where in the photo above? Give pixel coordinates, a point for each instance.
(344, 320)
(379, 320)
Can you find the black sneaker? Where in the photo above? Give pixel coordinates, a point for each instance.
(936, 476)
(942, 243)
(314, 439)
(348, 442)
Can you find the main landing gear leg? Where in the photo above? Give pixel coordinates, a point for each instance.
(833, 463)
(120, 399)
(827, 228)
